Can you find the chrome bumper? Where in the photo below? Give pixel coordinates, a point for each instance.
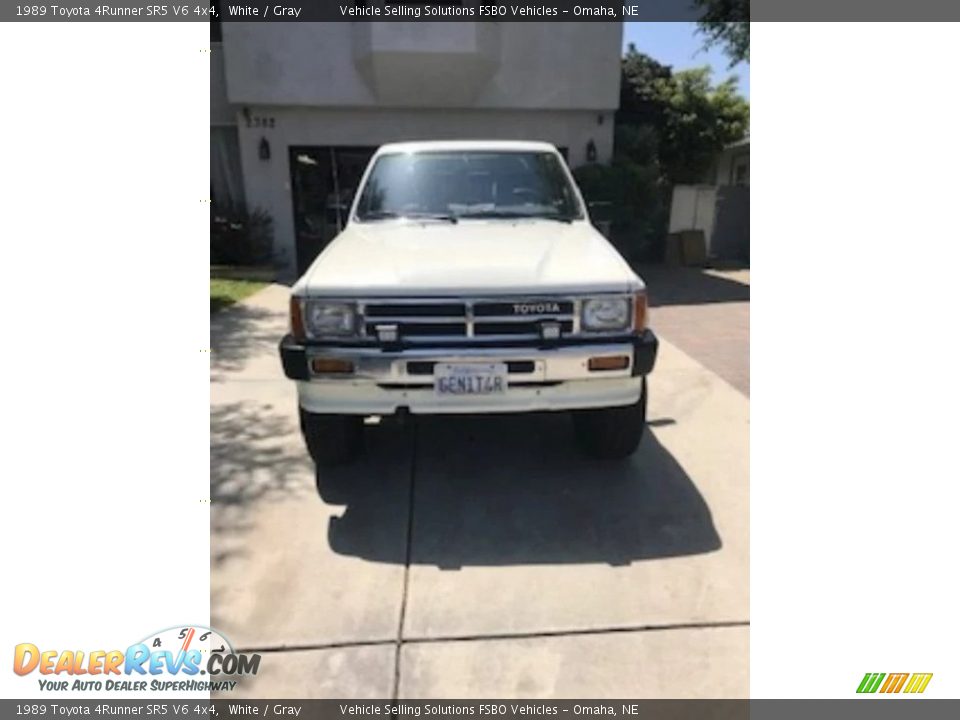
(411, 367)
(539, 378)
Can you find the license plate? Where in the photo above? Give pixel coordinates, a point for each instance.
(470, 379)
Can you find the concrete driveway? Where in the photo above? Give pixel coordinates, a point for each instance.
(478, 557)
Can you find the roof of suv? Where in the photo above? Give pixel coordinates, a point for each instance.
(448, 145)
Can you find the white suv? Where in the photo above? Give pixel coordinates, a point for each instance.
(469, 279)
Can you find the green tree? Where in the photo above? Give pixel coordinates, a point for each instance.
(727, 23)
(699, 121)
(641, 86)
(634, 202)
(683, 115)
(669, 129)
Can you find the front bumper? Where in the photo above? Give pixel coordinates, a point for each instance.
(555, 377)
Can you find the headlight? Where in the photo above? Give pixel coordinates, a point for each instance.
(605, 314)
(324, 318)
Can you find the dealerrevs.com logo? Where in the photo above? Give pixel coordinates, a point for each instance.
(183, 658)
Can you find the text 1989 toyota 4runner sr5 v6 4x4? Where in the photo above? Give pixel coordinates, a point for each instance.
(469, 279)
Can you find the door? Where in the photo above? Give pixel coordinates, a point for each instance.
(324, 180)
(731, 231)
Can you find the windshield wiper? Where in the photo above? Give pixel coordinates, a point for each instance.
(379, 215)
(566, 219)
(393, 215)
(508, 215)
(433, 216)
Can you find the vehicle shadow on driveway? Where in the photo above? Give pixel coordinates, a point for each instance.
(668, 285)
(514, 490)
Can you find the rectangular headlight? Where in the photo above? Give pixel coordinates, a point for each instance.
(325, 318)
(605, 314)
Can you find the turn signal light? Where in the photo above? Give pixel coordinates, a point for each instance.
(610, 362)
(328, 366)
(640, 312)
(296, 320)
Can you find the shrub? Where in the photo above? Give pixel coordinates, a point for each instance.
(636, 205)
(238, 237)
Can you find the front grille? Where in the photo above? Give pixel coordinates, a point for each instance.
(515, 328)
(426, 321)
(423, 329)
(426, 310)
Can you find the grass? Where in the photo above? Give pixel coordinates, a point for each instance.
(225, 292)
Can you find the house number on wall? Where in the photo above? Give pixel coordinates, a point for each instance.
(261, 122)
(258, 121)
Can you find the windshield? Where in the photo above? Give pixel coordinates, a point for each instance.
(463, 184)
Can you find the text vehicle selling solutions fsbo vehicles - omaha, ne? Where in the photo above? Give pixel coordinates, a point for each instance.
(469, 279)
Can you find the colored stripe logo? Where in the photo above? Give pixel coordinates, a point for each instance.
(913, 683)
(918, 682)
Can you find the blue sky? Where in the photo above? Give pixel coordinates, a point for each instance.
(680, 46)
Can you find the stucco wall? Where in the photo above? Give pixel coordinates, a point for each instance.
(221, 113)
(267, 182)
(507, 65)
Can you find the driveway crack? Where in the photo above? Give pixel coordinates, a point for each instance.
(488, 637)
(575, 632)
(406, 565)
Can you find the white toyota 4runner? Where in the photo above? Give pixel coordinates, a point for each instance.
(469, 279)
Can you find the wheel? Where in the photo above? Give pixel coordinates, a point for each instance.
(612, 433)
(331, 439)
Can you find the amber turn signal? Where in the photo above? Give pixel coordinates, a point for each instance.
(640, 312)
(296, 320)
(611, 362)
(327, 366)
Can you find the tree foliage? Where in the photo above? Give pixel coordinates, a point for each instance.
(727, 23)
(685, 119)
(733, 36)
(669, 129)
(633, 194)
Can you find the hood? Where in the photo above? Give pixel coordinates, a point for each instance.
(491, 257)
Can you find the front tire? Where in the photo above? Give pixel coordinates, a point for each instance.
(331, 439)
(612, 433)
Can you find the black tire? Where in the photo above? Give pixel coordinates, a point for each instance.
(332, 439)
(612, 433)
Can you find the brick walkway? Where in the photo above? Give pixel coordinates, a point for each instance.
(706, 313)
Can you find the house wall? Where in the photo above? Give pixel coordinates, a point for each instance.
(221, 112)
(365, 84)
(728, 160)
(226, 176)
(560, 66)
